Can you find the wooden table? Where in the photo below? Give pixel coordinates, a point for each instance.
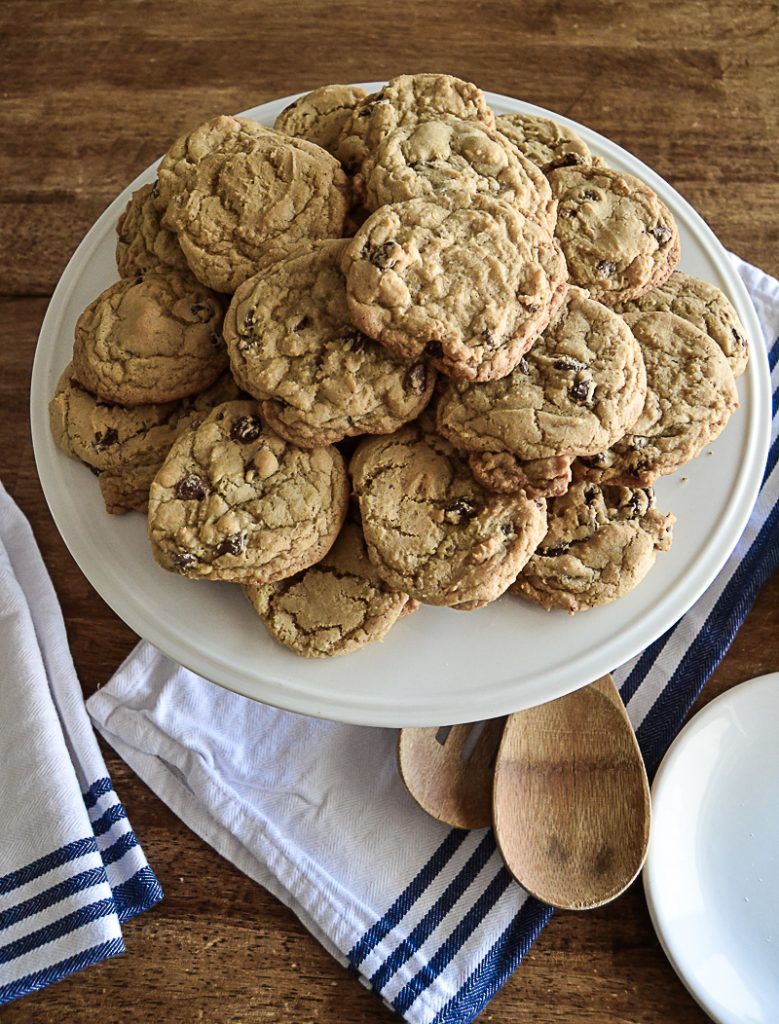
(92, 94)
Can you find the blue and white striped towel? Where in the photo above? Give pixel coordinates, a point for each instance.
(71, 869)
(426, 916)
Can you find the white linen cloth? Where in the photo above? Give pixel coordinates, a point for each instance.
(71, 869)
(426, 916)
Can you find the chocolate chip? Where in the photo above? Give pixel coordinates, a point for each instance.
(637, 505)
(490, 339)
(415, 378)
(302, 324)
(216, 339)
(580, 391)
(155, 190)
(230, 546)
(434, 349)
(106, 439)
(742, 341)
(246, 429)
(183, 560)
(567, 363)
(661, 232)
(568, 212)
(589, 194)
(523, 366)
(356, 341)
(381, 256)
(637, 441)
(191, 488)
(507, 530)
(248, 320)
(568, 160)
(590, 494)
(460, 511)
(199, 307)
(553, 552)
(606, 268)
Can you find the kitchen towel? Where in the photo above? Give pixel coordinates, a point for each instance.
(426, 916)
(71, 868)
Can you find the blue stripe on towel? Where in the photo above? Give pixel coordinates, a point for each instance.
(56, 972)
(497, 966)
(55, 894)
(407, 898)
(102, 824)
(138, 893)
(96, 790)
(427, 975)
(55, 859)
(427, 925)
(117, 850)
(56, 930)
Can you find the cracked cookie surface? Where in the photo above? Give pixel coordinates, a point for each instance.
(600, 544)
(705, 306)
(150, 339)
(691, 395)
(431, 530)
(320, 116)
(544, 141)
(403, 101)
(292, 344)
(472, 288)
(619, 239)
(245, 191)
(576, 392)
(142, 243)
(126, 445)
(234, 501)
(447, 157)
(334, 607)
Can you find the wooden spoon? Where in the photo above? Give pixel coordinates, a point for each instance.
(448, 774)
(571, 805)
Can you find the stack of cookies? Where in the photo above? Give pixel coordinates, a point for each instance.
(395, 350)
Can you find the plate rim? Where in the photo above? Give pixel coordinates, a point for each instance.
(382, 711)
(662, 781)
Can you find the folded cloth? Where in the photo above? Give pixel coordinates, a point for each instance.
(71, 869)
(427, 916)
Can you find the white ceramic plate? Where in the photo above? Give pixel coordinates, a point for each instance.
(712, 874)
(437, 665)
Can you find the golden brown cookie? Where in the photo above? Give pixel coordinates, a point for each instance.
(619, 239)
(431, 530)
(291, 343)
(142, 243)
(335, 607)
(576, 392)
(150, 339)
(238, 190)
(234, 501)
(600, 544)
(691, 395)
(544, 141)
(470, 287)
(320, 116)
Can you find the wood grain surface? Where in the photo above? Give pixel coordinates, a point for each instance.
(92, 93)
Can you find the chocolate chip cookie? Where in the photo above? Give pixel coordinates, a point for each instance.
(403, 101)
(705, 306)
(126, 446)
(691, 395)
(600, 544)
(545, 142)
(142, 243)
(150, 339)
(472, 288)
(292, 344)
(619, 239)
(320, 116)
(234, 501)
(431, 530)
(247, 191)
(577, 391)
(334, 607)
(447, 157)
